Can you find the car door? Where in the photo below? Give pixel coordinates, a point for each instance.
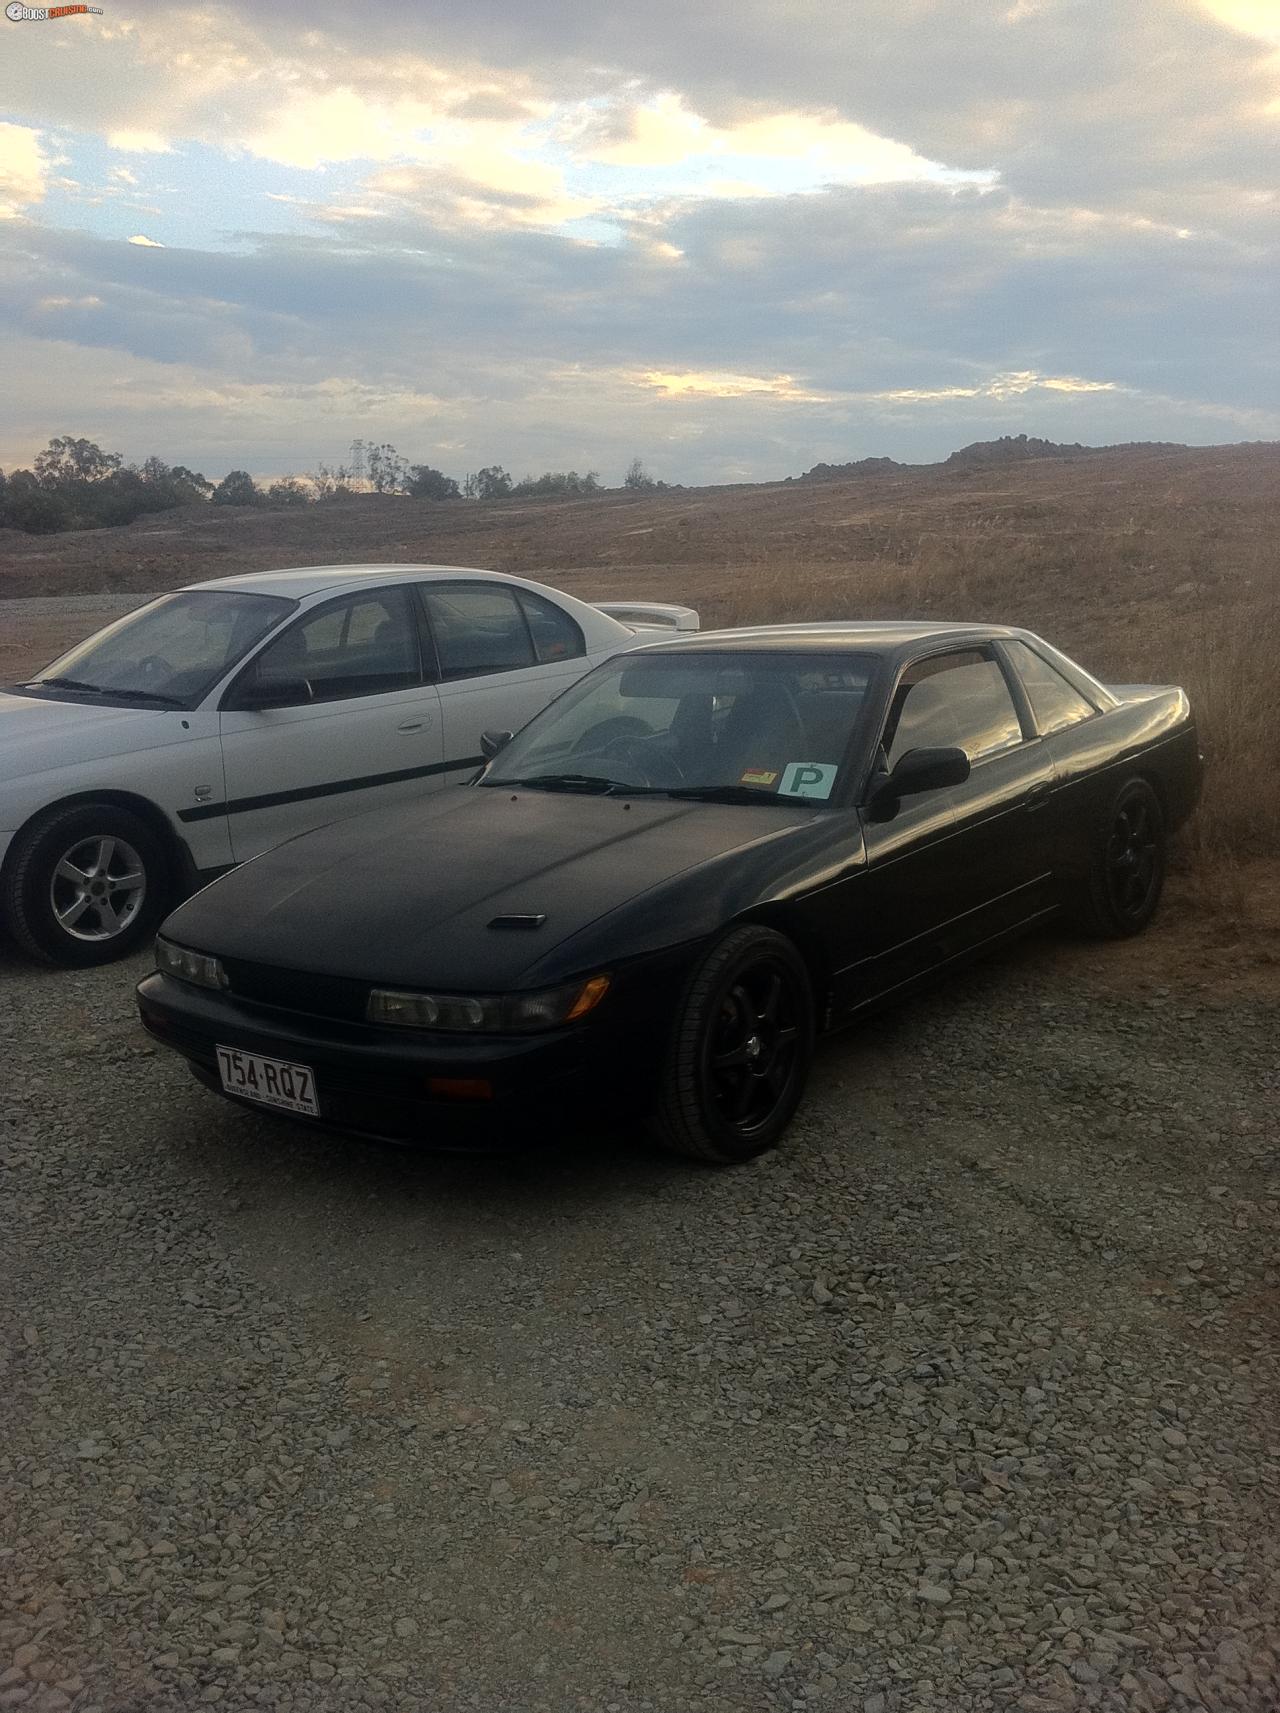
(952, 868)
(356, 723)
(503, 653)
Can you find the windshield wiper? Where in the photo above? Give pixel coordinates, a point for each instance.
(144, 696)
(734, 794)
(565, 782)
(64, 684)
(127, 695)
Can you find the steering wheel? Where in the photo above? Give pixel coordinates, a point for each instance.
(623, 740)
(602, 738)
(153, 663)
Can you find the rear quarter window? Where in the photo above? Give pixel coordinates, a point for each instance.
(1055, 703)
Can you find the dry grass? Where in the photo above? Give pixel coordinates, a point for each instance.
(1146, 567)
(1223, 651)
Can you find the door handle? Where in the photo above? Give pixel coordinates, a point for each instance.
(1039, 795)
(411, 726)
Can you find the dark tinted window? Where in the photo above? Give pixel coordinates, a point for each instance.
(1054, 702)
(555, 635)
(478, 628)
(952, 701)
(364, 646)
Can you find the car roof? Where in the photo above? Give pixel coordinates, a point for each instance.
(871, 636)
(301, 580)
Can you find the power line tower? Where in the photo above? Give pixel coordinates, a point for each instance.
(359, 463)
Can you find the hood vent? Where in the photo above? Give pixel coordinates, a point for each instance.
(519, 922)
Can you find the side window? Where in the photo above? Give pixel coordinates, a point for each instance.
(555, 635)
(478, 628)
(366, 645)
(952, 701)
(1055, 703)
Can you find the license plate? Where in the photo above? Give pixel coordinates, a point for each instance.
(274, 1082)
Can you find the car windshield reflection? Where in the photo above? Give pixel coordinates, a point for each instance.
(169, 653)
(733, 728)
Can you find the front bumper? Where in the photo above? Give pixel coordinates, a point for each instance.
(375, 1081)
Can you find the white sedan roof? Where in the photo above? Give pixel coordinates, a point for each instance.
(332, 579)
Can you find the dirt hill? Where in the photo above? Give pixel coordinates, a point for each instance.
(1149, 564)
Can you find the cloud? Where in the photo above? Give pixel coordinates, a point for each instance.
(742, 236)
(139, 142)
(665, 132)
(145, 242)
(23, 169)
(722, 386)
(1259, 18)
(55, 304)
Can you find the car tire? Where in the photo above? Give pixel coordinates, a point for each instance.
(740, 1049)
(85, 885)
(1126, 874)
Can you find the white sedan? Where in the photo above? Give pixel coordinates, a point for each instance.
(218, 720)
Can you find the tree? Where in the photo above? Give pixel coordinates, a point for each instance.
(237, 488)
(567, 483)
(424, 483)
(67, 459)
(190, 483)
(289, 491)
(491, 483)
(330, 484)
(29, 505)
(639, 480)
(388, 471)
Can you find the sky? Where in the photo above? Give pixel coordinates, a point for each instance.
(732, 238)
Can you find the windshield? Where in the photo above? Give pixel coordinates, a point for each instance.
(173, 650)
(749, 724)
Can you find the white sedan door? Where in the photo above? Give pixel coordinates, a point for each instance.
(335, 716)
(503, 653)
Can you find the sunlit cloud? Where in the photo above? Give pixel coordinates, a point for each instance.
(822, 149)
(145, 242)
(706, 384)
(1259, 18)
(1004, 386)
(139, 142)
(52, 304)
(23, 169)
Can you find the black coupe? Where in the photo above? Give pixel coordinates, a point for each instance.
(702, 855)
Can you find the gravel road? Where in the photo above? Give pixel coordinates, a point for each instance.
(968, 1399)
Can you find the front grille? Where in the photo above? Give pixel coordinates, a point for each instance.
(298, 990)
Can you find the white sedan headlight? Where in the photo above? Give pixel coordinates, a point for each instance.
(196, 967)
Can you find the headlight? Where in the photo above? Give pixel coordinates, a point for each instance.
(495, 1014)
(196, 967)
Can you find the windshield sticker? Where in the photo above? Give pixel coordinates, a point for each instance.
(809, 779)
(758, 776)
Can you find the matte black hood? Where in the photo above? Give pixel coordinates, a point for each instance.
(404, 896)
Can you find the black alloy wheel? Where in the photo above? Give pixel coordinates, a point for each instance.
(740, 1051)
(1128, 869)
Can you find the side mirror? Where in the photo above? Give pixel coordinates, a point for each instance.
(918, 770)
(258, 695)
(492, 742)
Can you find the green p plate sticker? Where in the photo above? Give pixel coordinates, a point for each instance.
(808, 779)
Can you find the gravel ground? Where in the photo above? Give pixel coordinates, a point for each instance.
(965, 1400)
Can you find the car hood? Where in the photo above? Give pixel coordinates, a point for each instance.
(31, 722)
(407, 895)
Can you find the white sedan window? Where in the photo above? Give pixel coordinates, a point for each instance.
(478, 628)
